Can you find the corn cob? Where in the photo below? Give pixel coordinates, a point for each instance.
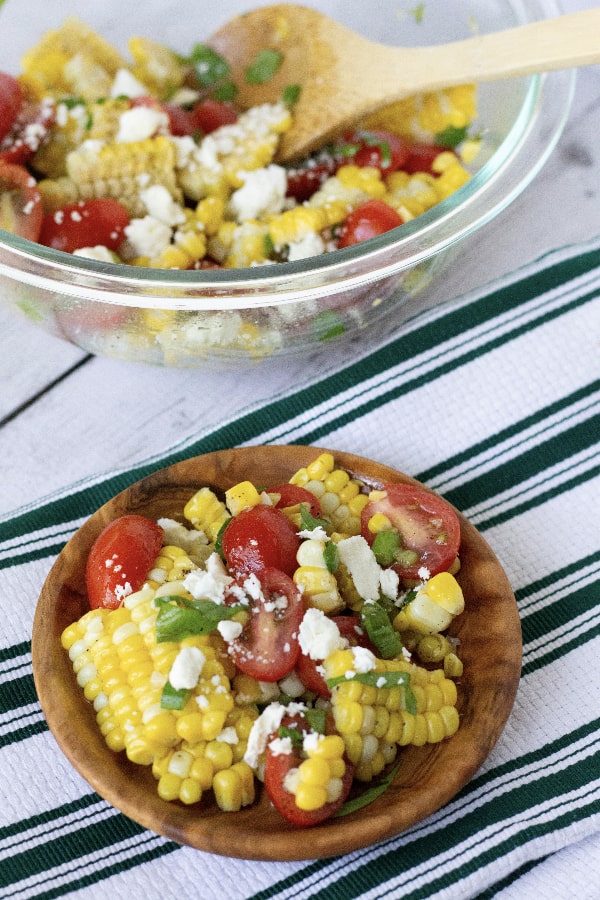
(339, 495)
(374, 721)
(433, 606)
(72, 59)
(318, 778)
(206, 512)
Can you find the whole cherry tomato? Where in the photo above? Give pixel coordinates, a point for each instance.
(371, 218)
(120, 559)
(258, 538)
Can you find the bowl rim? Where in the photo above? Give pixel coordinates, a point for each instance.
(508, 171)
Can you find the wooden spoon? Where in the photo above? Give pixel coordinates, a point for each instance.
(344, 76)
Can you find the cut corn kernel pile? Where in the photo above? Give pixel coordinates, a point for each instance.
(182, 702)
(216, 198)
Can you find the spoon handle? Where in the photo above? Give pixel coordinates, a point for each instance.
(561, 43)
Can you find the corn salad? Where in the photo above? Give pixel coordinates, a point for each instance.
(268, 641)
(201, 193)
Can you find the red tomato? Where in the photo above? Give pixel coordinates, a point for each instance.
(259, 538)
(120, 559)
(292, 494)
(268, 647)
(180, 119)
(85, 224)
(11, 100)
(380, 149)
(308, 176)
(20, 202)
(428, 525)
(307, 669)
(421, 157)
(277, 766)
(208, 115)
(29, 130)
(367, 221)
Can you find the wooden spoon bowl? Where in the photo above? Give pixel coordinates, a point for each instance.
(343, 76)
(490, 647)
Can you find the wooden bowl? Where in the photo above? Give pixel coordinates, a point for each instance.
(428, 777)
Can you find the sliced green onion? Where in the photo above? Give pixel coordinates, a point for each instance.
(385, 546)
(172, 698)
(376, 623)
(264, 66)
(176, 622)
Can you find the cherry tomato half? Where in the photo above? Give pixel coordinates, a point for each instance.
(28, 132)
(268, 647)
(427, 524)
(307, 669)
(11, 100)
(278, 765)
(85, 224)
(120, 559)
(379, 149)
(367, 221)
(293, 494)
(208, 115)
(20, 202)
(306, 177)
(421, 157)
(260, 537)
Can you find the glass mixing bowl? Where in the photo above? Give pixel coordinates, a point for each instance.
(223, 318)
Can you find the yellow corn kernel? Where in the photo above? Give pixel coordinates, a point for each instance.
(156, 66)
(364, 178)
(241, 496)
(206, 512)
(379, 522)
(169, 786)
(210, 212)
(190, 791)
(453, 667)
(319, 588)
(294, 224)
(310, 797)
(232, 788)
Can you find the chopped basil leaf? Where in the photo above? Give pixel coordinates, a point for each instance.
(219, 540)
(264, 66)
(310, 522)
(174, 623)
(291, 94)
(316, 719)
(328, 324)
(376, 623)
(451, 136)
(209, 66)
(381, 680)
(331, 555)
(385, 546)
(369, 795)
(226, 92)
(174, 699)
(294, 734)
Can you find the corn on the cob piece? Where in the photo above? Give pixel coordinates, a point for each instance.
(156, 67)
(72, 59)
(213, 168)
(433, 606)
(318, 779)
(317, 584)
(423, 117)
(206, 512)
(172, 564)
(340, 496)
(241, 496)
(374, 721)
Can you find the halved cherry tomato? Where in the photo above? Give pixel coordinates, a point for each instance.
(277, 766)
(20, 202)
(367, 221)
(85, 224)
(307, 669)
(427, 524)
(28, 131)
(208, 115)
(380, 149)
(11, 100)
(293, 494)
(421, 157)
(120, 559)
(268, 647)
(306, 177)
(260, 537)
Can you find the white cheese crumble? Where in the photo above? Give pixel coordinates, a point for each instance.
(389, 581)
(186, 668)
(262, 193)
(127, 85)
(364, 659)
(210, 583)
(99, 252)
(311, 244)
(268, 722)
(148, 236)
(229, 630)
(318, 635)
(174, 533)
(364, 569)
(314, 534)
(161, 205)
(139, 123)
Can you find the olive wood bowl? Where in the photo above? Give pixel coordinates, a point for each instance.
(427, 778)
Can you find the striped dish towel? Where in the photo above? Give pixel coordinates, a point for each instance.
(494, 401)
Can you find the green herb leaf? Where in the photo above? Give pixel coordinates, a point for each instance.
(310, 522)
(291, 94)
(294, 734)
(385, 546)
(369, 795)
(316, 718)
(264, 66)
(451, 136)
(226, 92)
(381, 680)
(176, 622)
(210, 67)
(376, 623)
(328, 324)
(174, 699)
(331, 555)
(219, 540)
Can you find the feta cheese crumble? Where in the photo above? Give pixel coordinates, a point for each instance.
(186, 668)
(210, 583)
(318, 635)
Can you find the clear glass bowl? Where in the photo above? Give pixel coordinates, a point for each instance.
(349, 297)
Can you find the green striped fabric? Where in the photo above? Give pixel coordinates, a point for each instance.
(492, 400)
